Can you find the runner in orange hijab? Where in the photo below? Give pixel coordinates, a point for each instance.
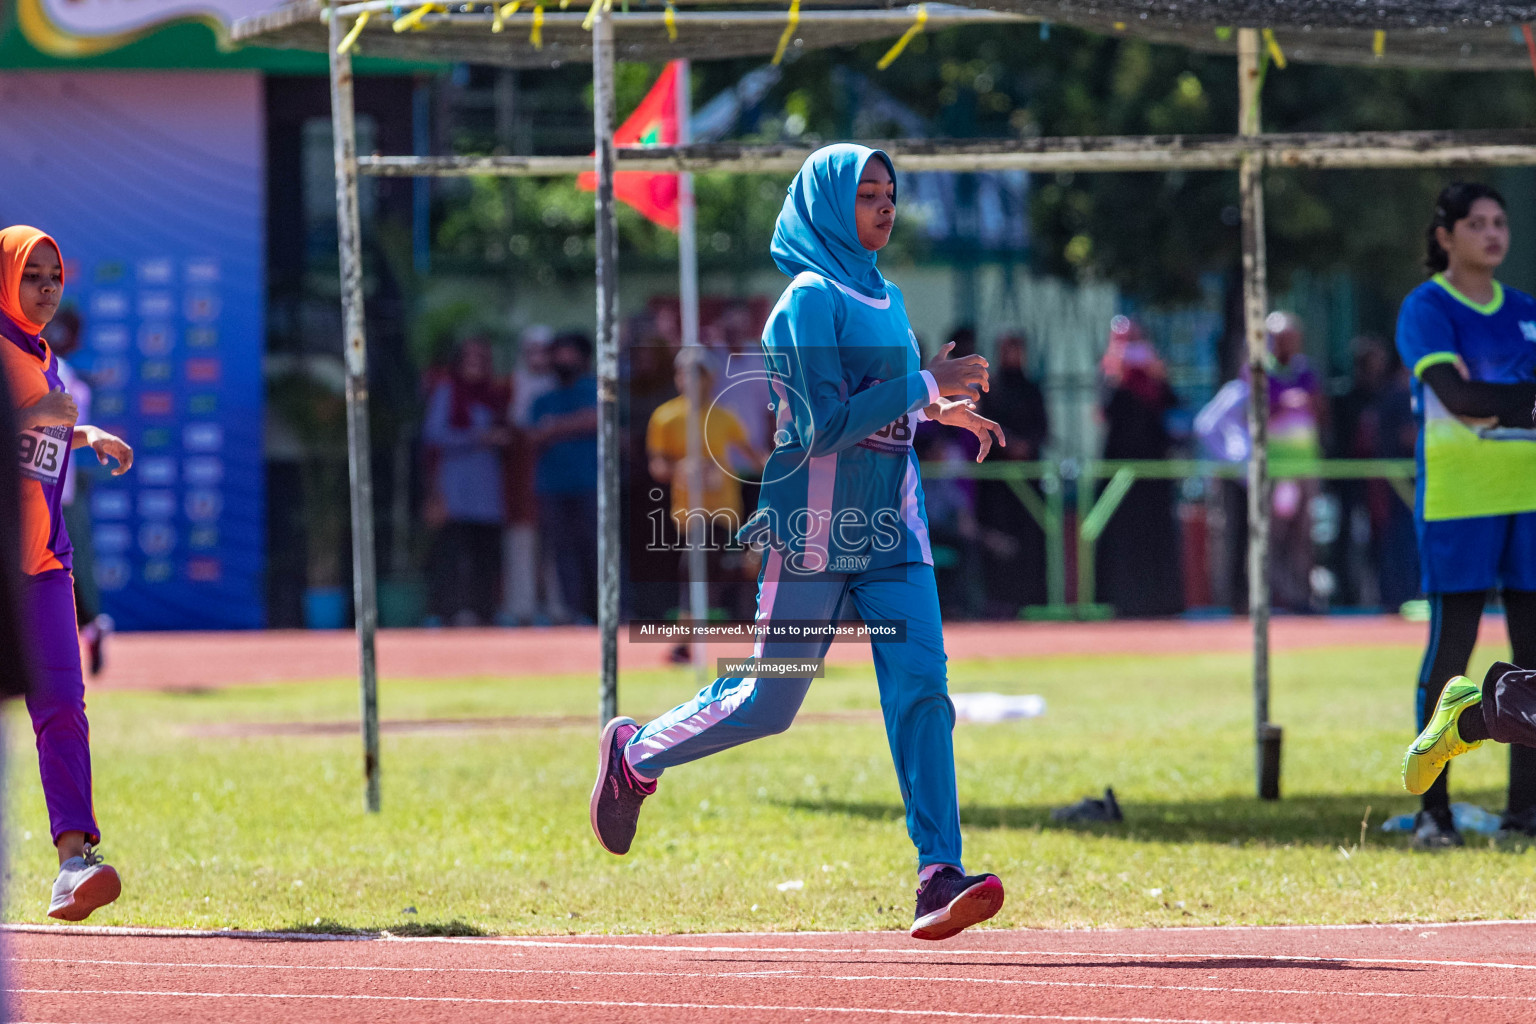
(31, 287)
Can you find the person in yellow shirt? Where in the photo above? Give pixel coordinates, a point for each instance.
(725, 450)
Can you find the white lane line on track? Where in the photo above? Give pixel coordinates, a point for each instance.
(781, 975)
(1399, 926)
(126, 931)
(630, 1004)
(891, 951)
(303, 967)
(123, 931)
(1384, 926)
(234, 933)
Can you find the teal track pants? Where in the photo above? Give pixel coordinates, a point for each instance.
(919, 718)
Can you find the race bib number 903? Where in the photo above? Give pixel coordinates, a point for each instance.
(42, 452)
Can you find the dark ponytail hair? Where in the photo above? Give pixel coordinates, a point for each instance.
(1454, 204)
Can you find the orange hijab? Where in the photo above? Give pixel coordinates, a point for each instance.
(16, 245)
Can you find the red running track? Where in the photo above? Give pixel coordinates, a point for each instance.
(196, 660)
(1345, 975)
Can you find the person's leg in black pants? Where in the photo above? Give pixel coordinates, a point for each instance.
(1520, 617)
(443, 572)
(1453, 622)
(553, 543)
(482, 548)
(572, 522)
(584, 542)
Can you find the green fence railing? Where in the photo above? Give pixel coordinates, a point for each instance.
(1095, 507)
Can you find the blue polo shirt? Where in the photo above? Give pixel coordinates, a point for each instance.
(567, 467)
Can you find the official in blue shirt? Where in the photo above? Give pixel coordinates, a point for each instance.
(842, 522)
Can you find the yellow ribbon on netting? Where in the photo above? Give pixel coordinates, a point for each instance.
(1378, 43)
(356, 30)
(906, 37)
(536, 34)
(1273, 46)
(586, 22)
(413, 20)
(504, 11)
(789, 31)
(670, 16)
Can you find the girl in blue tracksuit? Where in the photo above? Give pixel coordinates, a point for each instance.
(842, 522)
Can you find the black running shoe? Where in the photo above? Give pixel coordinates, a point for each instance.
(617, 796)
(950, 902)
(1519, 823)
(1090, 809)
(1435, 830)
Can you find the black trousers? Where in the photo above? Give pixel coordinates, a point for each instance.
(568, 528)
(1453, 622)
(466, 570)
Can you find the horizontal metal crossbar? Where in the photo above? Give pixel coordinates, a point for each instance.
(1083, 154)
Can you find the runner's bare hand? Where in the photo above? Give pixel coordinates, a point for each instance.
(110, 446)
(963, 414)
(55, 409)
(966, 376)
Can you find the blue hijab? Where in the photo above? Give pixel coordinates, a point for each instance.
(816, 230)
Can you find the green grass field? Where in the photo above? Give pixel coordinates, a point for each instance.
(486, 831)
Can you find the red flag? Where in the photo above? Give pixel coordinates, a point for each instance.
(654, 123)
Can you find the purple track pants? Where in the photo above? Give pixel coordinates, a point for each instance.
(56, 703)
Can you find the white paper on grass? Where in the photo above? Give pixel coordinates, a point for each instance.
(997, 707)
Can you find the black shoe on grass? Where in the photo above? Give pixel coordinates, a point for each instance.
(1435, 829)
(1090, 809)
(617, 796)
(950, 902)
(1519, 823)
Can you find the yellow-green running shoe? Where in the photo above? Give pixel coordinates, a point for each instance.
(1441, 740)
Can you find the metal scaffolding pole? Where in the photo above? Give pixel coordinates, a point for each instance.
(608, 511)
(355, 350)
(1046, 154)
(1255, 302)
(688, 301)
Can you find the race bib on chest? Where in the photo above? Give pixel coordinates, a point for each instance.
(894, 438)
(42, 452)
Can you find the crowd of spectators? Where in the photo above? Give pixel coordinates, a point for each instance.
(511, 466)
(1341, 543)
(510, 461)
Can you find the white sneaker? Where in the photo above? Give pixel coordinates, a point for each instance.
(84, 884)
